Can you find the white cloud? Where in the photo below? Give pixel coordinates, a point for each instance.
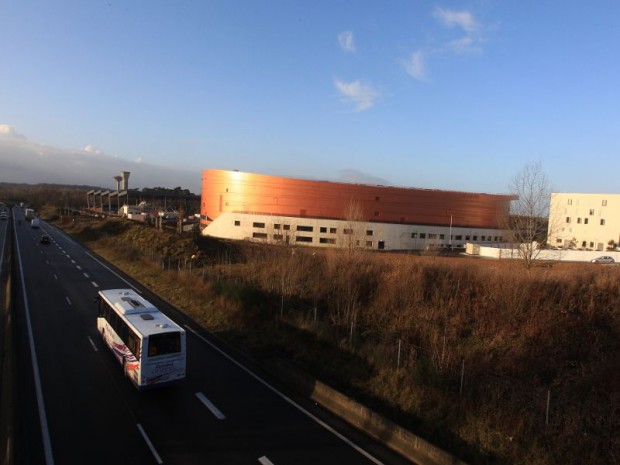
(415, 65)
(29, 162)
(363, 96)
(462, 19)
(346, 41)
(91, 149)
(9, 131)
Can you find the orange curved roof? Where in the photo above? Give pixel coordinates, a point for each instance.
(234, 191)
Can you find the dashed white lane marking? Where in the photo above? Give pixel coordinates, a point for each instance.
(79, 267)
(265, 461)
(47, 261)
(150, 444)
(212, 408)
(73, 261)
(86, 275)
(286, 398)
(55, 277)
(68, 300)
(92, 343)
(94, 284)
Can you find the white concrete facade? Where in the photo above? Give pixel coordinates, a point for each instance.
(584, 221)
(316, 232)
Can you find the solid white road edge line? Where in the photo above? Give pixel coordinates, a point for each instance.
(45, 433)
(265, 461)
(212, 408)
(92, 343)
(150, 444)
(287, 399)
(115, 274)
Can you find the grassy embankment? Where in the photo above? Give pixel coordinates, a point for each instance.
(519, 338)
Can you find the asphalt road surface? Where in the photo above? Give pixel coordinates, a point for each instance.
(76, 407)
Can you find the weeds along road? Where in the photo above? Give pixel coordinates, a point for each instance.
(76, 406)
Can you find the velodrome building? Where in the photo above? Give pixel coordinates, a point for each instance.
(279, 210)
(584, 221)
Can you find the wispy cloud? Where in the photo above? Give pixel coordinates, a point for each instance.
(415, 65)
(346, 41)
(465, 21)
(362, 95)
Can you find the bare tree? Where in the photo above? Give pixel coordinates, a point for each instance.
(527, 226)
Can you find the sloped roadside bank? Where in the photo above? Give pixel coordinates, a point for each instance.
(518, 336)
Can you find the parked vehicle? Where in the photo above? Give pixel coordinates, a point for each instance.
(603, 259)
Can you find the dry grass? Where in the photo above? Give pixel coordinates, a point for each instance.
(518, 335)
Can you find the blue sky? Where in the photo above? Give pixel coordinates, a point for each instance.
(447, 95)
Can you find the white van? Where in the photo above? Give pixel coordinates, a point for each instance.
(35, 223)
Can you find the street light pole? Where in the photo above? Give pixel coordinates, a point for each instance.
(450, 241)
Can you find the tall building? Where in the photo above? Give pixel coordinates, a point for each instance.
(584, 221)
(270, 209)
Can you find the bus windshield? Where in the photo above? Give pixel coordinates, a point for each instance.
(165, 343)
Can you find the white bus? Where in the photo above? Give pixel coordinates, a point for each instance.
(148, 344)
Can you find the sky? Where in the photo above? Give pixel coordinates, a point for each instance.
(456, 95)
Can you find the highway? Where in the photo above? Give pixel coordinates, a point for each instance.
(76, 406)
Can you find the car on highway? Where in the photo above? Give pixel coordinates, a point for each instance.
(4, 215)
(604, 259)
(45, 239)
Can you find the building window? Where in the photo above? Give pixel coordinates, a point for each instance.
(442, 236)
(414, 235)
(432, 236)
(591, 211)
(583, 244)
(348, 232)
(558, 241)
(369, 233)
(368, 243)
(258, 235)
(237, 223)
(483, 238)
(303, 239)
(578, 220)
(333, 230)
(278, 237)
(325, 240)
(591, 245)
(286, 227)
(475, 238)
(305, 228)
(323, 230)
(568, 219)
(276, 226)
(258, 225)
(467, 238)
(459, 238)
(570, 201)
(422, 235)
(602, 222)
(604, 204)
(585, 221)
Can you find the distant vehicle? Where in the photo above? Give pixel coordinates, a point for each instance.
(45, 239)
(29, 214)
(4, 215)
(35, 223)
(149, 345)
(603, 259)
